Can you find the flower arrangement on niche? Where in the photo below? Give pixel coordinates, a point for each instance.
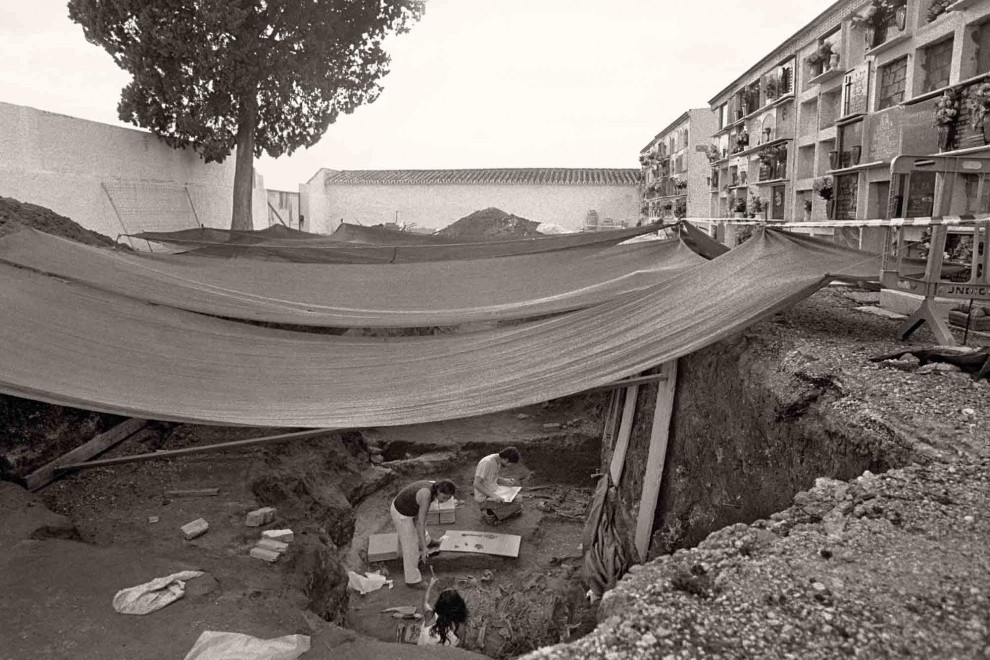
(680, 208)
(712, 152)
(823, 188)
(978, 102)
(878, 16)
(946, 109)
(821, 55)
(771, 86)
(937, 8)
(755, 206)
(739, 206)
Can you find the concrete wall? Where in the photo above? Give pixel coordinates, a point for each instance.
(436, 206)
(110, 179)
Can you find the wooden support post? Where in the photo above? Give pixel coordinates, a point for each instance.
(656, 458)
(625, 430)
(45, 475)
(170, 453)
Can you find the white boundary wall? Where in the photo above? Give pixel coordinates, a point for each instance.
(437, 205)
(70, 165)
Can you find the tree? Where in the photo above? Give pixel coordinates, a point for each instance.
(259, 75)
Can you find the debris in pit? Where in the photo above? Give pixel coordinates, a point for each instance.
(968, 359)
(194, 529)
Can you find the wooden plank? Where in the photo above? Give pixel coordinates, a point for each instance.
(297, 435)
(485, 543)
(98, 444)
(657, 456)
(193, 492)
(625, 430)
(619, 384)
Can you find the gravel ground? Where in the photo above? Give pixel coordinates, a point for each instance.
(883, 566)
(811, 583)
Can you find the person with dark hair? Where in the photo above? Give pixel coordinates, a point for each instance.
(487, 481)
(408, 513)
(449, 613)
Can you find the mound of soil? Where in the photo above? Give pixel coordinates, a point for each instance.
(15, 215)
(491, 223)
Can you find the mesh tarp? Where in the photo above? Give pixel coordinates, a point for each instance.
(360, 295)
(328, 249)
(73, 345)
(145, 206)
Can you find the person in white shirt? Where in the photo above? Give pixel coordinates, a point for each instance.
(486, 475)
(443, 620)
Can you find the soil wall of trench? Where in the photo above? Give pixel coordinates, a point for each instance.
(755, 421)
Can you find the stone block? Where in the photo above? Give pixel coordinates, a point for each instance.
(263, 553)
(441, 513)
(195, 528)
(283, 535)
(260, 517)
(273, 545)
(383, 547)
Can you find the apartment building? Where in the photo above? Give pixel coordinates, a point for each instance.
(676, 168)
(809, 131)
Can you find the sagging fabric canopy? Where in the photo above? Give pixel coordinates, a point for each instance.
(212, 236)
(379, 235)
(360, 295)
(327, 249)
(72, 345)
(699, 241)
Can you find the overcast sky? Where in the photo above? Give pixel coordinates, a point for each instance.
(476, 83)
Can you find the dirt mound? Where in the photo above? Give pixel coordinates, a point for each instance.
(14, 215)
(491, 223)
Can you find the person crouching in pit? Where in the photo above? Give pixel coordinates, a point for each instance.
(408, 513)
(486, 484)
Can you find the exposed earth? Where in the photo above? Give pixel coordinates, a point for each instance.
(894, 564)
(490, 224)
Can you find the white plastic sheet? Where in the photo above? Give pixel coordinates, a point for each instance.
(213, 645)
(154, 595)
(367, 583)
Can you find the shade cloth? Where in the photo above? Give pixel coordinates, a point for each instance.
(360, 295)
(328, 249)
(699, 241)
(72, 345)
(380, 235)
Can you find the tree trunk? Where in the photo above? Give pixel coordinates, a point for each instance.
(241, 217)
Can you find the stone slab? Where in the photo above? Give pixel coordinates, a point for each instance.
(273, 545)
(487, 543)
(262, 553)
(195, 528)
(880, 311)
(260, 517)
(283, 535)
(908, 303)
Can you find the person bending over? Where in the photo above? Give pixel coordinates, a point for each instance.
(443, 620)
(486, 479)
(408, 513)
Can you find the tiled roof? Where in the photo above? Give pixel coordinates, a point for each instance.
(560, 176)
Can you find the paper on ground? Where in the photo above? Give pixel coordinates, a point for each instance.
(508, 493)
(213, 645)
(367, 583)
(153, 595)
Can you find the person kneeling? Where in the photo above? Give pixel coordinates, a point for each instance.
(443, 620)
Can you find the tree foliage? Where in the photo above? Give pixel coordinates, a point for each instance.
(197, 62)
(268, 75)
